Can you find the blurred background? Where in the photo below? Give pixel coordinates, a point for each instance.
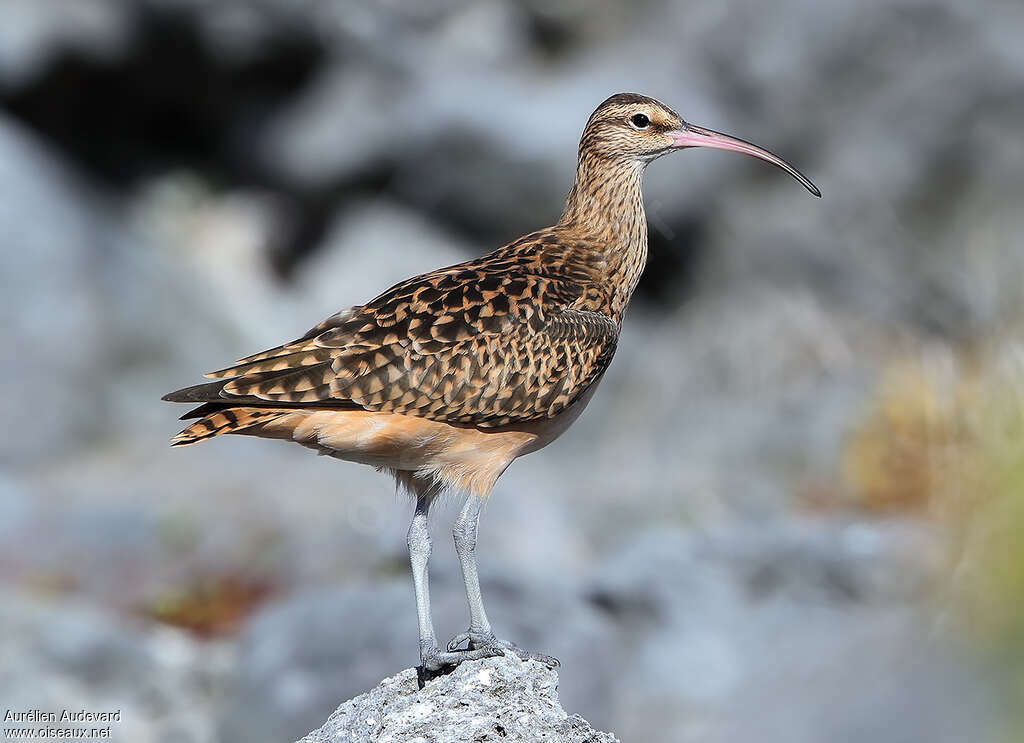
(793, 512)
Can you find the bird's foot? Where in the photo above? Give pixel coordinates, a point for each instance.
(487, 641)
(433, 659)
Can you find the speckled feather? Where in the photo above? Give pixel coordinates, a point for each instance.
(517, 335)
(512, 337)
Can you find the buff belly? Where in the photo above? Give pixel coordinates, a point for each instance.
(467, 458)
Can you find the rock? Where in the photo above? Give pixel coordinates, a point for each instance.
(496, 699)
(302, 654)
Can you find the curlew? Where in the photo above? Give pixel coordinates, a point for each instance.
(446, 378)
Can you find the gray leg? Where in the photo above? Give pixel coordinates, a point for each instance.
(465, 532)
(480, 634)
(431, 657)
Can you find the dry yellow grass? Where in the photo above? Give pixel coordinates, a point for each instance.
(924, 443)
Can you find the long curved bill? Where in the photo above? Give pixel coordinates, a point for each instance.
(691, 135)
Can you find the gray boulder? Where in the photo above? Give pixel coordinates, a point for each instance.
(494, 699)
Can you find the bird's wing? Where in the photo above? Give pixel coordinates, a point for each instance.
(488, 343)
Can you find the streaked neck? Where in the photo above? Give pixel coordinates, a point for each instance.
(605, 206)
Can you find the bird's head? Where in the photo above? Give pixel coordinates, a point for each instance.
(634, 128)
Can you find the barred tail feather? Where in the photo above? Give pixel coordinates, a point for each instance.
(225, 420)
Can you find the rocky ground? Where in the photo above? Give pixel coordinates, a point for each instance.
(489, 700)
(737, 539)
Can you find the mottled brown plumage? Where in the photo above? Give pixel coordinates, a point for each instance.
(514, 336)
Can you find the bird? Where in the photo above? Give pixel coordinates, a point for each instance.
(446, 378)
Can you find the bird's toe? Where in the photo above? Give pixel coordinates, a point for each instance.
(487, 640)
(434, 659)
(548, 660)
(458, 640)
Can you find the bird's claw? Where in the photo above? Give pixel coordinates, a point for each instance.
(455, 642)
(487, 641)
(432, 658)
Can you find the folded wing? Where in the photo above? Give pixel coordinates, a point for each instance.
(481, 343)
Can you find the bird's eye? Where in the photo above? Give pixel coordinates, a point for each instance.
(640, 121)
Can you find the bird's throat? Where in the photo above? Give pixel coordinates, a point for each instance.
(605, 207)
